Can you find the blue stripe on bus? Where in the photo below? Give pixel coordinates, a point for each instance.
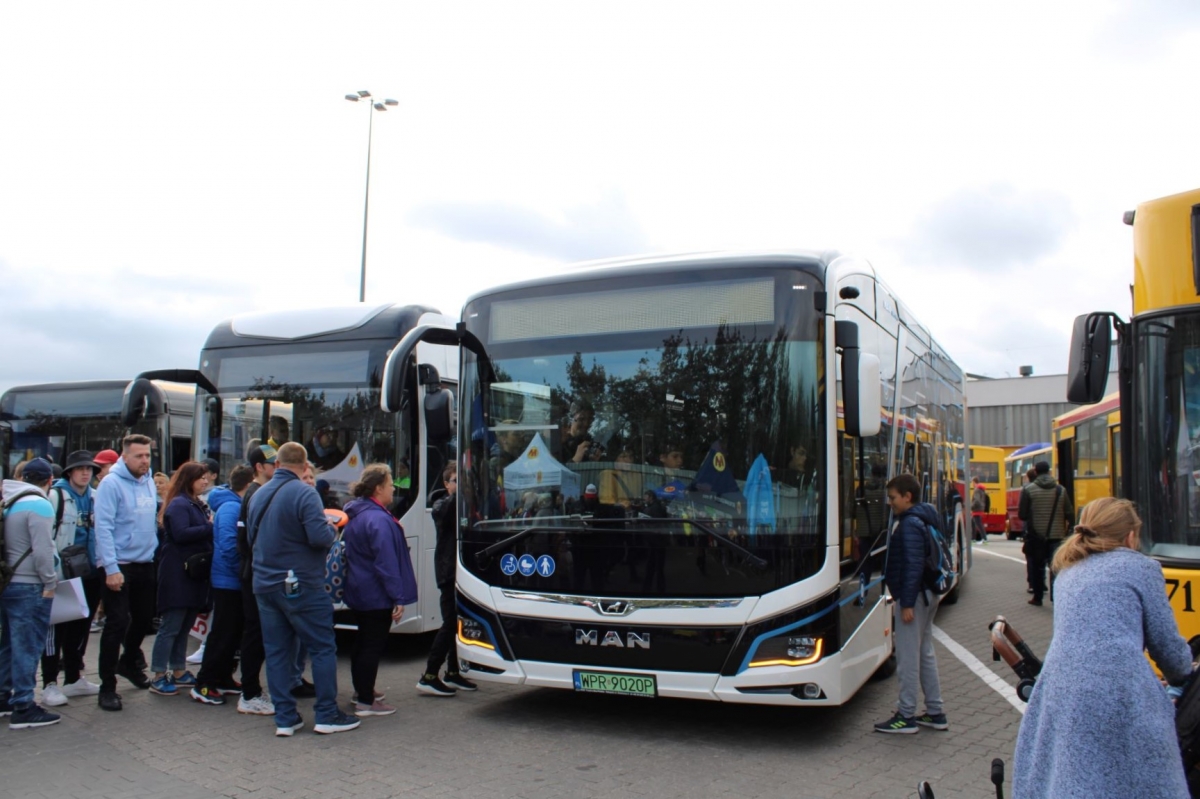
(806, 620)
(486, 626)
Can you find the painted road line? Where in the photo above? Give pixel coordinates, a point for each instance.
(981, 551)
(983, 672)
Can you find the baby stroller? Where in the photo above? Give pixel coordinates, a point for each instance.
(1008, 645)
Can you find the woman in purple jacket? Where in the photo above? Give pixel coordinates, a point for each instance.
(379, 580)
(187, 530)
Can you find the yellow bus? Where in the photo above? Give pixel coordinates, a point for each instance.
(1159, 379)
(987, 465)
(1016, 467)
(1087, 450)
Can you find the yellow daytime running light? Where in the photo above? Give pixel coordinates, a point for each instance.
(471, 641)
(813, 658)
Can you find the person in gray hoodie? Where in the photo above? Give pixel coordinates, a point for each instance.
(25, 603)
(126, 539)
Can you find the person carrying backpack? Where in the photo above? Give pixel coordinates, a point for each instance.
(25, 601)
(913, 609)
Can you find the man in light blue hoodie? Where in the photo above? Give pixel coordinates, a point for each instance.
(126, 538)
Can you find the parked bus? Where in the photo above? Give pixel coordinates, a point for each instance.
(987, 466)
(702, 512)
(312, 376)
(1087, 451)
(1016, 469)
(52, 420)
(1159, 386)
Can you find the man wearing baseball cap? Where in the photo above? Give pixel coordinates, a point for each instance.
(104, 461)
(25, 603)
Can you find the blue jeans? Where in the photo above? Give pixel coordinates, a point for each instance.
(306, 618)
(301, 658)
(170, 645)
(24, 621)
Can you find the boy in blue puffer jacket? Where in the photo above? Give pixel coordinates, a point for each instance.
(227, 617)
(913, 609)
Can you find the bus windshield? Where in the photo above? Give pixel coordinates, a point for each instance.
(645, 453)
(326, 400)
(53, 422)
(1166, 469)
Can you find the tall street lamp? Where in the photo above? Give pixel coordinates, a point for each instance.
(371, 108)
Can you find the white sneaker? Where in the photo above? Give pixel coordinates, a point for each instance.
(52, 696)
(80, 687)
(258, 706)
(197, 657)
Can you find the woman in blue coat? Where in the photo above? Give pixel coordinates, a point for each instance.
(187, 530)
(1099, 722)
(379, 580)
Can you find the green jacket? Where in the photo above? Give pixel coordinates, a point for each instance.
(1038, 503)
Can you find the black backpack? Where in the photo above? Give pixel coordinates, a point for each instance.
(939, 562)
(6, 571)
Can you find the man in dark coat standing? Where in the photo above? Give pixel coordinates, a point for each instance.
(913, 609)
(289, 539)
(445, 554)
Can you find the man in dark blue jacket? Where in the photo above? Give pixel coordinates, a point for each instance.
(913, 609)
(289, 539)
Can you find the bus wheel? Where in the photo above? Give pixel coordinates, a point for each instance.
(952, 597)
(886, 669)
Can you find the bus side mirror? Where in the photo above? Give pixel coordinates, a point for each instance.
(135, 402)
(1091, 347)
(862, 391)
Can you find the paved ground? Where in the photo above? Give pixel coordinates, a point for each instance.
(533, 743)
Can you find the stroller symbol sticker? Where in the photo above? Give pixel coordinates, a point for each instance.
(526, 565)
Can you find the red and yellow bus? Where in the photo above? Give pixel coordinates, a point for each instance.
(1016, 467)
(1159, 380)
(1087, 451)
(987, 466)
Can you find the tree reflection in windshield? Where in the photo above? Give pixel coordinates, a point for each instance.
(674, 431)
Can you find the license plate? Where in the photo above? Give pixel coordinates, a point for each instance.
(608, 682)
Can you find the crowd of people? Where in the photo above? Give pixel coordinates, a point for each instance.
(252, 553)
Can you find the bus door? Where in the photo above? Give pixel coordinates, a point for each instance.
(1065, 452)
(1114, 465)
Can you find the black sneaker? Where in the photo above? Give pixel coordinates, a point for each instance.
(134, 675)
(5, 708)
(342, 722)
(898, 724)
(32, 716)
(305, 690)
(933, 722)
(431, 685)
(458, 682)
(109, 700)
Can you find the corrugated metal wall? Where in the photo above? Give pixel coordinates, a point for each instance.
(1013, 425)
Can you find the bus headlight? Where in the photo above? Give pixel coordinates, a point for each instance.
(789, 650)
(472, 633)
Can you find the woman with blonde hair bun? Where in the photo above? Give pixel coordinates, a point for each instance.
(1099, 722)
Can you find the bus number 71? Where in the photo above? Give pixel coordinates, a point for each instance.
(1173, 586)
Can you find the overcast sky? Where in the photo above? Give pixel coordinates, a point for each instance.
(164, 166)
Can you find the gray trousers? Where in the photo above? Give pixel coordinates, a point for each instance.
(916, 665)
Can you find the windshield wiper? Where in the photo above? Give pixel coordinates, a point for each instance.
(754, 560)
(484, 555)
